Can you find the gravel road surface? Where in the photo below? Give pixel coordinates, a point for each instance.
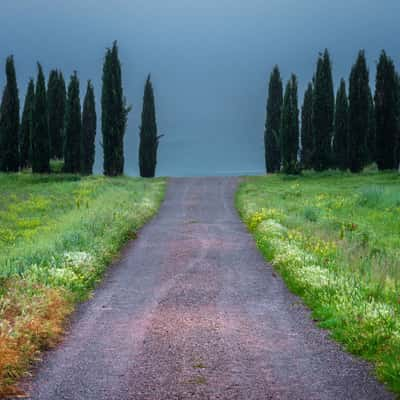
(192, 311)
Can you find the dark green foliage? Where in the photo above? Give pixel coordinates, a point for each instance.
(73, 125)
(307, 138)
(9, 121)
(52, 86)
(340, 142)
(371, 138)
(398, 121)
(359, 107)
(62, 104)
(323, 113)
(114, 114)
(89, 121)
(40, 143)
(149, 139)
(273, 122)
(56, 110)
(386, 112)
(25, 132)
(290, 128)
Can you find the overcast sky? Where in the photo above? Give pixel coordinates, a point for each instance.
(210, 61)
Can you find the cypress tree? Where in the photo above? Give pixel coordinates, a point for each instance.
(149, 139)
(273, 122)
(340, 143)
(386, 112)
(25, 132)
(40, 143)
(307, 138)
(52, 86)
(398, 121)
(359, 108)
(323, 113)
(72, 151)
(56, 109)
(290, 128)
(114, 114)
(89, 121)
(371, 138)
(62, 104)
(9, 121)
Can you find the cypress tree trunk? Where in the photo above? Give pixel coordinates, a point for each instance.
(25, 132)
(149, 139)
(340, 143)
(114, 114)
(307, 138)
(358, 114)
(386, 112)
(89, 121)
(273, 122)
(72, 151)
(323, 113)
(9, 121)
(40, 144)
(56, 110)
(290, 128)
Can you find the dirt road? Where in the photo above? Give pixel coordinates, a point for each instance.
(193, 312)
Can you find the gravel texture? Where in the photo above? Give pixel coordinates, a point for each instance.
(192, 311)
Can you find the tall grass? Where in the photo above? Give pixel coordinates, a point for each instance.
(378, 196)
(335, 238)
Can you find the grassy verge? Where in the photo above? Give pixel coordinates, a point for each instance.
(58, 233)
(335, 239)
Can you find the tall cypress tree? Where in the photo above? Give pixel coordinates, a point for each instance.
(149, 139)
(371, 138)
(25, 132)
(40, 143)
(9, 121)
(398, 121)
(89, 121)
(340, 142)
(73, 125)
(61, 106)
(114, 114)
(358, 114)
(290, 128)
(52, 86)
(323, 113)
(273, 122)
(307, 138)
(56, 110)
(386, 112)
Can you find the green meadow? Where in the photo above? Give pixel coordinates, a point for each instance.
(335, 239)
(58, 233)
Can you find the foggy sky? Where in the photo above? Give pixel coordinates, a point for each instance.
(210, 61)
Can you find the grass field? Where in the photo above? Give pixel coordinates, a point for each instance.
(335, 239)
(57, 235)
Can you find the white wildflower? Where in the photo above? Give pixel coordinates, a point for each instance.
(77, 258)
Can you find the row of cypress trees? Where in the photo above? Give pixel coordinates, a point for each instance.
(348, 131)
(51, 126)
(54, 126)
